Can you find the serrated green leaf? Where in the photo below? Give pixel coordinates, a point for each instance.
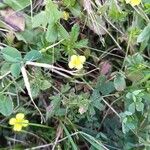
(74, 32)
(45, 85)
(15, 69)
(144, 35)
(81, 44)
(119, 82)
(104, 86)
(6, 105)
(69, 3)
(11, 54)
(76, 10)
(54, 106)
(96, 100)
(32, 55)
(107, 88)
(35, 90)
(62, 31)
(115, 12)
(52, 12)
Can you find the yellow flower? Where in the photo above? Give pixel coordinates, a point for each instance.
(133, 2)
(18, 122)
(65, 15)
(76, 62)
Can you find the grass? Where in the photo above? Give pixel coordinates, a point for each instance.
(105, 104)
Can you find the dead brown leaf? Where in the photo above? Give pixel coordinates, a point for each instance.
(14, 19)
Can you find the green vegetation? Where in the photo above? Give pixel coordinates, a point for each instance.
(74, 74)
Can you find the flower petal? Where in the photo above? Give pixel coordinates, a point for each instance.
(80, 66)
(82, 59)
(135, 2)
(25, 123)
(17, 127)
(128, 1)
(12, 121)
(73, 58)
(20, 116)
(71, 65)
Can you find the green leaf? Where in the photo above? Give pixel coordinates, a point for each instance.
(53, 107)
(74, 146)
(132, 108)
(62, 31)
(20, 37)
(51, 34)
(2, 5)
(45, 85)
(60, 112)
(94, 142)
(145, 34)
(104, 86)
(11, 54)
(52, 12)
(15, 69)
(28, 36)
(139, 106)
(137, 92)
(119, 82)
(81, 44)
(5, 68)
(6, 105)
(76, 10)
(69, 3)
(74, 32)
(115, 13)
(40, 19)
(32, 55)
(107, 88)
(35, 90)
(96, 100)
(17, 4)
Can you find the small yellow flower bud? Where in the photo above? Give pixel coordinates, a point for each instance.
(65, 15)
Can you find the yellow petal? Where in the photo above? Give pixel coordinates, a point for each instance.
(20, 116)
(80, 66)
(82, 59)
(128, 1)
(73, 58)
(17, 127)
(25, 123)
(71, 65)
(135, 2)
(72, 61)
(12, 121)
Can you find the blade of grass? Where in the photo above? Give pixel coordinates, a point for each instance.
(69, 137)
(27, 85)
(95, 143)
